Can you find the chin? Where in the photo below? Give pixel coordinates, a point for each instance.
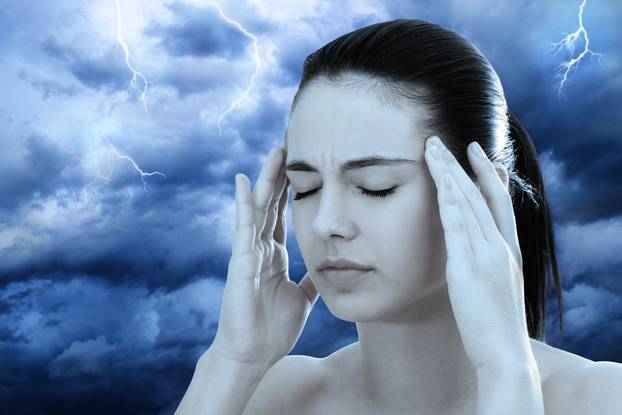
(358, 308)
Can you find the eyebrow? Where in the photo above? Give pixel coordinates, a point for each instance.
(300, 165)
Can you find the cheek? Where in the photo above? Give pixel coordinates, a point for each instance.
(302, 227)
(412, 244)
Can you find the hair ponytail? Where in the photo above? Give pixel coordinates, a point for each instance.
(535, 231)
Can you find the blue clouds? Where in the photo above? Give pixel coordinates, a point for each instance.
(49, 88)
(92, 71)
(104, 288)
(57, 333)
(199, 32)
(33, 164)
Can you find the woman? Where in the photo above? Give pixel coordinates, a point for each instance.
(438, 255)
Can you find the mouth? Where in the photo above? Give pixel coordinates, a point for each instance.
(341, 276)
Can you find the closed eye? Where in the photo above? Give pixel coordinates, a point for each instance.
(370, 193)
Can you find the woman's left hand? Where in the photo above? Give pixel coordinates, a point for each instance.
(484, 263)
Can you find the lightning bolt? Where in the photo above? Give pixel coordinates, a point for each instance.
(94, 182)
(110, 171)
(568, 42)
(136, 167)
(236, 103)
(135, 73)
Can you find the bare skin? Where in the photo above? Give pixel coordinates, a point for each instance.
(410, 358)
(308, 386)
(342, 391)
(411, 355)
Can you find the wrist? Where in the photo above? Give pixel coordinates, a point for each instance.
(510, 361)
(212, 358)
(509, 387)
(504, 373)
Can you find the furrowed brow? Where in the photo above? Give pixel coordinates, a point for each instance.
(300, 165)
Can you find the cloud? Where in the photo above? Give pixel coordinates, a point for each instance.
(592, 315)
(71, 331)
(83, 358)
(49, 87)
(591, 249)
(199, 31)
(113, 297)
(29, 167)
(100, 72)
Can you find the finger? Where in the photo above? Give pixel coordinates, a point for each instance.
(273, 210)
(467, 197)
(461, 206)
(479, 206)
(264, 189)
(306, 285)
(244, 238)
(455, 232)
(280, 232)
(495, 193)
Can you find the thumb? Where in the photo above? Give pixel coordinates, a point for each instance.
(307, 287)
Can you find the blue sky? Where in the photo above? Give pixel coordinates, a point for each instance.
(110, 288)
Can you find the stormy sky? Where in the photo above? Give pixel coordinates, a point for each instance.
(111, 280)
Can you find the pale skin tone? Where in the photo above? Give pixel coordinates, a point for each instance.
(409, 351)
(422, 345)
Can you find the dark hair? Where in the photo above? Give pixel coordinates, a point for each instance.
(413, 61)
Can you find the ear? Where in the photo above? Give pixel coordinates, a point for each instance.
(502, 172)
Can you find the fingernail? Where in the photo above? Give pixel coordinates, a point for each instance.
(436, 140)
(433, 146)
(434, 150)
(477, 150)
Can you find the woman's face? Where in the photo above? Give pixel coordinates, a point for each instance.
(399, 235)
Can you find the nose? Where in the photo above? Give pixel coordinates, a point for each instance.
(333, 215)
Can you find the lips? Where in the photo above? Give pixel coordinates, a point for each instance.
(344, 276)
(342, 264)
(343, 271)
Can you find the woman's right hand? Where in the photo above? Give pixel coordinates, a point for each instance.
(263, 312)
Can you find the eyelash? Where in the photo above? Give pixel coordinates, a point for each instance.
(370, 193)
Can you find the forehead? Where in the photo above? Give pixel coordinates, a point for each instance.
(331, 124)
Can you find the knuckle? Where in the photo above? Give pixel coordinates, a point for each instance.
(450, 198)
(456, 225)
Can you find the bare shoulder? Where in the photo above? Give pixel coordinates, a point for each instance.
(287, 387)
(574, 385)
(553, 361)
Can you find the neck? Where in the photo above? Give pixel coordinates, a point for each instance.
(416, 359)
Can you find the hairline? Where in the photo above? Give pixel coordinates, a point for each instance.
(389, 92)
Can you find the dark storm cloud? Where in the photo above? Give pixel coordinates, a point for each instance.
(207, 48)
(106, 304)
(577, 130)
(89, 335)
(579, 127)
(29, 165)
(103, 337)
(591, 311)
(101, 72)
(162, 238)
(199, 32)
(49, 88)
